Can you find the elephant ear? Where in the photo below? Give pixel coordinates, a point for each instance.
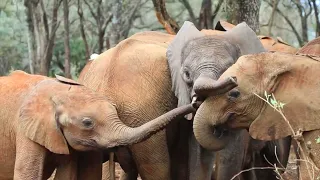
(301, 111)
(223, 26)
(245, 38)
(187, 32)
(312, 48)
(66, 80)
(37, 119)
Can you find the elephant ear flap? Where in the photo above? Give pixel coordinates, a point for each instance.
(187, 32)
(269, 126)
(312, 48)
(66, 80)
(37, 121)
(245, 38)
(223, 26)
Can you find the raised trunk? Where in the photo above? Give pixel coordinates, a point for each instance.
(127, 135)
(205, 86)
(204, 130)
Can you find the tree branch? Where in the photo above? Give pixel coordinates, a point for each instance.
(82, 31)
(290, 24)
(45, 20)
(163, 17)
(215, 12)
(316, 13)
(189, 9)
(90, 9)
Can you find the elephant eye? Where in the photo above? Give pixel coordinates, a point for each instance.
(187, 77)
(87, 122)
(234, 93)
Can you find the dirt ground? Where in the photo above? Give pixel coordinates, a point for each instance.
(291, 169)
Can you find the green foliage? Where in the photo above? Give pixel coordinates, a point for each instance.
(273, 101)
(77, 57)
(318, 140)
(13, 46)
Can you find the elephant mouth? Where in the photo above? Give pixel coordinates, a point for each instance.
(220, 131)
(223, 129)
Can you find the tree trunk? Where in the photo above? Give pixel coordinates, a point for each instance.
(244, 10)
(47, 57)
(66, 39)
(163, 17)
(116, 23)
(30, 35)
(205, 20)
(270, 24)
(82, 32)
(316, 13)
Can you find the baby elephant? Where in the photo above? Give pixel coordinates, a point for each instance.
(45, 122)
(289, 82)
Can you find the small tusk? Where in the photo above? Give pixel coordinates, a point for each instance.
(189, 116)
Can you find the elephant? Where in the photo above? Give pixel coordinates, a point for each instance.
(146, 53)
(46, 122)
(135, 76)
(195, 62)
(274, 95)
(312, 48)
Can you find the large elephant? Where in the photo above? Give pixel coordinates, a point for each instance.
(196, 61)
(120, 72)
(46, 121)
(135, 76)
(287, 82)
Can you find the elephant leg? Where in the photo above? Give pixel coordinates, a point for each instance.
(277, 151)
(30, 159)
(231, 159)
(200, 160)
(67, 167)
(178, 142)
(123, 174)
(128, 166)
(90, 165)
(152, 157)
(128, 176)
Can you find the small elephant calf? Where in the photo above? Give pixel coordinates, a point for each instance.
(45, 122)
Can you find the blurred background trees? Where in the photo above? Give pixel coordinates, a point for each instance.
(58, 36)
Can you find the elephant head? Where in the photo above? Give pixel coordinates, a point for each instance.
(196, 61)
(287, 77)
(58, 113)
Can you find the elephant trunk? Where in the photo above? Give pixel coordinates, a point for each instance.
(128, 135)
(207, 134)
(206, 86)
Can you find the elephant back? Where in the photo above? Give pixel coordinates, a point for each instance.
(312, 48)
(135, 76)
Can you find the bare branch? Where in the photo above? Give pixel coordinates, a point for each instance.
(214, 14)
(45, 20)
(82, 31)
(91, 10)
(188, 7)
(316, 13)
(290, 24)
(163, 17)
(270, 23)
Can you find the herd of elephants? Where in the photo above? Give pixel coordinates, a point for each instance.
(168, 107)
